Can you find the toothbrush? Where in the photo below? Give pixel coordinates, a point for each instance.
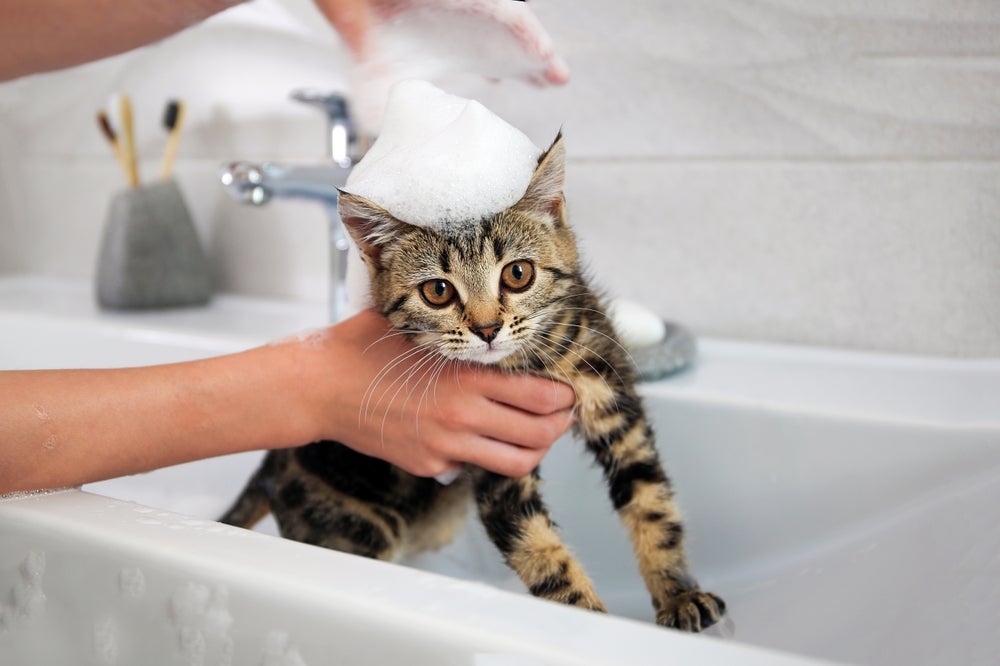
(173, 121)
(109, 134)
(128, 132)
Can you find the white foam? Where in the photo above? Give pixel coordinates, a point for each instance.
(431, 40)
(443, 160)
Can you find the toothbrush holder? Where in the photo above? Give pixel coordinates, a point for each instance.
(150, 255)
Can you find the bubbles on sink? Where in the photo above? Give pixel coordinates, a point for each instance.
(28, 494)
(25, 599)
(279, 650)
(28, 597)
(192, 646)
(132, 583)
(104, 640)
(200, 615)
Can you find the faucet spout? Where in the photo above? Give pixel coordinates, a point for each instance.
(257, 183)
(342, 140)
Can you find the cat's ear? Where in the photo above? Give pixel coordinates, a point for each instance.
(371, 226)
(545, 191)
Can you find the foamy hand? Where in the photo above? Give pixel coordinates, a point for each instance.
(426, 39)
(491, 37)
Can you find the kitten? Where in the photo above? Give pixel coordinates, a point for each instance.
(507, 292)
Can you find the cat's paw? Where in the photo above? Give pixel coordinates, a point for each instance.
(588, 602)
(581, 597)
(690, 611)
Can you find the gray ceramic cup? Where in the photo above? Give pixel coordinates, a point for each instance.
(150, 255)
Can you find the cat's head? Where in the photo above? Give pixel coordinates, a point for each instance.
(478, 292)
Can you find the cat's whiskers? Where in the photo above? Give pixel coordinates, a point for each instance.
(430, 386)
(403, 380)
(588, 329)
(610, 338)
(557, 349)
(428, 376)
(369, 395)
(548, 362)
(368, 404)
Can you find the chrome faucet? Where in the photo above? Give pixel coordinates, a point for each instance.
(258, 183)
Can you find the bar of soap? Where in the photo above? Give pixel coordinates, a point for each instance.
(637, 326)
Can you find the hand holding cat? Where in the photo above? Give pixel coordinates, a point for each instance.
(382, 397)
(67, 427)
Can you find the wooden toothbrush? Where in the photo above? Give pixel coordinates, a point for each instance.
(173, 121)
(128, 133)
(116, 147)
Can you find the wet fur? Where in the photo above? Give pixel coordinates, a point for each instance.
(329, 495)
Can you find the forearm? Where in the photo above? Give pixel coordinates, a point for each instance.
(356, 382)
(43, 35)
(60, 428)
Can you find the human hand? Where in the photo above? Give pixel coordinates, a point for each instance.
(516, 29)
(383, 397)
(394, 40)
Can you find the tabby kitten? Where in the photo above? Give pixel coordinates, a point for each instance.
(507, 292)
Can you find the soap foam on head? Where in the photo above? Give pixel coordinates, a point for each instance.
(442, 160)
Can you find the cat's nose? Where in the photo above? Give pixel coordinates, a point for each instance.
(487, 332)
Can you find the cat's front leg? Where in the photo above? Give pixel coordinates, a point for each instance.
(620, 437)
(518, 523)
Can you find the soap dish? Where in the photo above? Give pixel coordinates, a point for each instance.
(674, 353)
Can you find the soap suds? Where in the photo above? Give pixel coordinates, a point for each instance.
(51, 440)
(132, 583)
(443, 160)
(200, 615)
(314, 339)
(26, 599)
(104, 640)
(430, 39)
(279, 650)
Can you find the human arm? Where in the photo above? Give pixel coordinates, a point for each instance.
(44, 35)
(66, 427)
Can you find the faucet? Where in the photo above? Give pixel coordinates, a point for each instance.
(257, 183)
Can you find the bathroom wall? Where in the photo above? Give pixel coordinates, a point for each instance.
(785, 170)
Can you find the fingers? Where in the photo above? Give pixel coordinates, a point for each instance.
(520, 428)
(535, 395)
(351, 19)
(502, 439)
(426, 418)
(499, 457)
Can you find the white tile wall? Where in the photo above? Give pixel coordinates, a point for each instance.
(815, 172)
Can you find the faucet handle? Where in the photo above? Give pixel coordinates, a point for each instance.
(246, 182)
(342, 139)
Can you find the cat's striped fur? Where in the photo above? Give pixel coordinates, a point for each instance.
(329, 495)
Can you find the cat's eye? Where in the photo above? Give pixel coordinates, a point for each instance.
(437, 293)
(518, 275)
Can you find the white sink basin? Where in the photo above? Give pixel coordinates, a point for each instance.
(845, 505)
